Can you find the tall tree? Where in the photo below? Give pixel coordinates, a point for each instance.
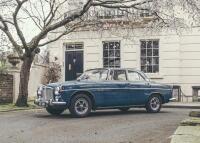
(69, 15)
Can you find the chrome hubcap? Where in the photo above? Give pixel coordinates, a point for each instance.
(81, 106)
(155, 103)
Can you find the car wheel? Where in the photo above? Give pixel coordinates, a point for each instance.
(54, 111)
(80, 106)
(154, 104)
(124, 109)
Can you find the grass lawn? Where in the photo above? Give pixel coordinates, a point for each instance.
(12, 107)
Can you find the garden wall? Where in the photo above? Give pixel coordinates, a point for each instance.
(6, 88)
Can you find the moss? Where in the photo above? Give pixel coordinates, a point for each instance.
(194, 114)
(12, 107)
(191, 122)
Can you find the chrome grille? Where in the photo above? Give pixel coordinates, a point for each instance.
(48, 93)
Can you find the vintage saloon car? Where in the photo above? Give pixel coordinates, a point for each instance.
(104, 89)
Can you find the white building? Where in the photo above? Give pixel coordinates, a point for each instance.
(165, 56)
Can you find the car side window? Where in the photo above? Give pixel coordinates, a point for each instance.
(119, 75)
(134, 76)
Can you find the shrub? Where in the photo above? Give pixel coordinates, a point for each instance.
(53, 73)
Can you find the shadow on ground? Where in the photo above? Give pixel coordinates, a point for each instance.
(98, 113)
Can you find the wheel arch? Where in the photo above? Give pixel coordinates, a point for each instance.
(89, 94)
(158, 94)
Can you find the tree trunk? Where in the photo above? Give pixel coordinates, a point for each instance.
(24, 80)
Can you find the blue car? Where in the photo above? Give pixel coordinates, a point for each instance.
(105, 88)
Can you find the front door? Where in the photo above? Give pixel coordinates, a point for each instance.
(73, 64)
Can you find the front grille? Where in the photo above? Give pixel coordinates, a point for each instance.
(48, 93)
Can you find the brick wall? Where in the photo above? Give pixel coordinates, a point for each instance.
(6, 88)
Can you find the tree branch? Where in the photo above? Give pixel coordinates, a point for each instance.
(61, 23)
(19, 32)
(75, 26)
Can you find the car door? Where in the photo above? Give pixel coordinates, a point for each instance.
(138, 87)
(115, 92)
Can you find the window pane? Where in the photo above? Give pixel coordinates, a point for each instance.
(78, 46)
(74, 46)
(155, 61)
(143, 44)
(111, 62)
(149, 52)
(111, 51)
(143, 52)
(143, 61)
(144, 69)
(150, 56)
(149, 61)
(155, 52)
(70, 47)
(149, 44)
(105, 62)
(155, 44)
(134, 76)
(117, 45)
(111, 45)
(155, 68)
(105, 46)
(119, 75)
(117, 62)
(105, 53)
(149, 69)
(117, 53)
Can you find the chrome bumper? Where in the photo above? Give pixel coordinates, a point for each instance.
(43, 103)
(172, 99)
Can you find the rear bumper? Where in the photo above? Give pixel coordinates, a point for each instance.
(42, 103)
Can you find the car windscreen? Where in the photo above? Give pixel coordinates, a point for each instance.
(145, 76)
(94, 75)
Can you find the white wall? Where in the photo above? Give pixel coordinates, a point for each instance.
(179, 54)
(35, 80)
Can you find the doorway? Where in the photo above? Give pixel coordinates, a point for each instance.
(73, 61)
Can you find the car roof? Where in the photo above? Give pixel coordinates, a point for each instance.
(113, 69)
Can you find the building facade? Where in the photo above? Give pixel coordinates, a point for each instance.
(165, 56)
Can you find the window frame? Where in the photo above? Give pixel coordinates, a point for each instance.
(144, 79)
(75, 44)
(112, 70)
(111, 57)
(150, 57)
(90, 70)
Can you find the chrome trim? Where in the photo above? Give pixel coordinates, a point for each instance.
(172, 99)
(58, 103)
(114, 88)
(114, 107)
(43, 103)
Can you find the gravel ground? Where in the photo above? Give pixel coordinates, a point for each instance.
(110, 126)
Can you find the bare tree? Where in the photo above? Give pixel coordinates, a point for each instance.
(51, 15)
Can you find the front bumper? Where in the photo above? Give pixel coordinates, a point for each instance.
(43, 103)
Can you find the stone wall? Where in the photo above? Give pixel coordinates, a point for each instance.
(6, 88)
(9, 83)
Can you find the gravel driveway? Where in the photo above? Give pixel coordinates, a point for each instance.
(113, 126)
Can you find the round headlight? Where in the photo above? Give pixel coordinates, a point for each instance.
(57, 90)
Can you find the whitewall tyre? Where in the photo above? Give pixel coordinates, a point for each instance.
(154, 104)
(80, 106)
